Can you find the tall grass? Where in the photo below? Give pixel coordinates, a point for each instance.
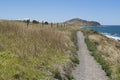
(33, 53)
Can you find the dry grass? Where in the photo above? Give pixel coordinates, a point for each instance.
(35, 52)
(109, 49)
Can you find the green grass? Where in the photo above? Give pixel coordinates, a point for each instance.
(34, 53)
(69, 77)
(57, 75)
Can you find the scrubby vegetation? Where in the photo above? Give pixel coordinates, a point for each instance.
(46, 23)
(36, 52)
(35, 21)
(105, 52)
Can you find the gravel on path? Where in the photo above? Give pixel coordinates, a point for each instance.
(88, 69)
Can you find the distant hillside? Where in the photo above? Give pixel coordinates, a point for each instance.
(80, 22)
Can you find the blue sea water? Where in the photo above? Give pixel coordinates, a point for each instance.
(111, 31)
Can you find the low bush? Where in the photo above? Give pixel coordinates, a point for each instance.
(69, 77)
(57, 75)
(90, 44)
(75, 59)
(35, 21)
(46, 23)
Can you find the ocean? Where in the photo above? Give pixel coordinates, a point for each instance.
(111, 31)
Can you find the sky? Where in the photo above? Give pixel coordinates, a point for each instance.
(107, 12)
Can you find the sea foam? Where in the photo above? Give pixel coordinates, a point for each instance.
(114, 36)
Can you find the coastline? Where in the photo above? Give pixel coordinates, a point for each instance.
(111, 36)
(110, 31)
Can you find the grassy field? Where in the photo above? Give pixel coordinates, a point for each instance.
(37, 52)
(106, 51)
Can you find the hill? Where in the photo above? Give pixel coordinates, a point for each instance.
(80, 22)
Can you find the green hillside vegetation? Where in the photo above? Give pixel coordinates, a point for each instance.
(37, 52)
(106, 51)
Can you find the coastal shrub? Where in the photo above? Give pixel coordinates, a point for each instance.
(19, 75)
(90, 44)
(69, 76)
(87, 31)
(57, 75)
(46, 23)
(75, 59)
(94, 31)
(35, 21)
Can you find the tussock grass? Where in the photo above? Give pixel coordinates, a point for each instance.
(34, 53)
(106, 51)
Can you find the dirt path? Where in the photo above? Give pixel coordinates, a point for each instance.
(88, 69)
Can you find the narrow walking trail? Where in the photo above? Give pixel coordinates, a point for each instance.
(88, 69)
